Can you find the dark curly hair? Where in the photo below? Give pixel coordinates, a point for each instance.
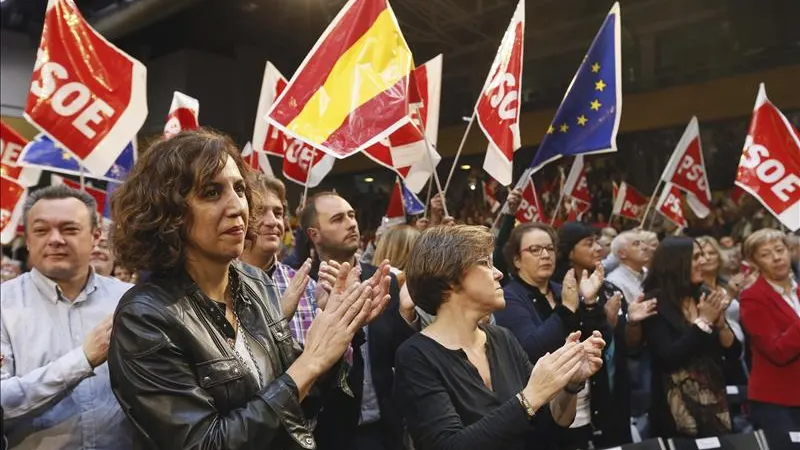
(150, 210)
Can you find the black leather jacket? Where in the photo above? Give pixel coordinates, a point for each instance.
(183, 386)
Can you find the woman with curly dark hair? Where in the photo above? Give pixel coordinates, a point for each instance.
(200, 356)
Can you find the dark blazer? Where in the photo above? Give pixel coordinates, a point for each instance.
(774, 331)
(338, 422)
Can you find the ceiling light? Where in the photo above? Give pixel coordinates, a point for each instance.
(369, 180)
(466, 167)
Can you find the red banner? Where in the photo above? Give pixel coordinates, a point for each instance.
(498, 107)
(686, 169)
(628, 202)
(298, 157)
(86, 94)
(530, 208)
(183, 114)
(11, 145)
(670, 206)
(12, 196)
(769, 169)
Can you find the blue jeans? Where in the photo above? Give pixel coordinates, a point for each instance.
(770, 415)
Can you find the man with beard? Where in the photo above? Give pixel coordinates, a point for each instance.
(366, 420)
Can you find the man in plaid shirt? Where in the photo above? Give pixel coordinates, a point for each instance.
(268, 226)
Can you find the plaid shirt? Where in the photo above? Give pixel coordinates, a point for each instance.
(282, 276)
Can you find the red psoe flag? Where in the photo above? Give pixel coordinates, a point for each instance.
(85, 93)
(530, 208)
(351, 91)
(183, 114)
(11, 145)
(576, 185)
(301, 162)
(669, 205)
(628, 202)
(498, 107)
(686, 169)
(769, 168)
(12, 196)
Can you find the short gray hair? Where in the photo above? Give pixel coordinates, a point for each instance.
(623, 239)
(58, 192)
(761, 237)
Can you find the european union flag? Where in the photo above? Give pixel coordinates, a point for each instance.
(43, 153)
(588, 118)
(412, 203)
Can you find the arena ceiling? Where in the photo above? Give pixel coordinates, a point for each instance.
(664, 41)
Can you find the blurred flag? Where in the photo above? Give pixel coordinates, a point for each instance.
(395, 212)
(11, 145)
(670, 206)
(86, 94)
(576, 185)
(588, 118)
(497, 110)
(43, 153)
(351, 91)
(12, 196)
(530, 208)
(412, 203)
(99, 195)
(301, 162)
(404, 151)
(769, 168)
(628, 202)
(183, 114)
(686, 169)
(257, 161)
(489, 195)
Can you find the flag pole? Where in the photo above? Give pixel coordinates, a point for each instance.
(460, 149)
(83, 179)
(308, 175)
(428, 200)
(560, 198)
(428, 151)
(650, 203)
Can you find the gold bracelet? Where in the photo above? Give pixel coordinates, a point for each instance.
(526, 405)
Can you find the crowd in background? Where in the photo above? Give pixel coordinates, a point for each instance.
(207, 315)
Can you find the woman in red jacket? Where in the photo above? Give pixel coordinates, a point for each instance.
(770, 312)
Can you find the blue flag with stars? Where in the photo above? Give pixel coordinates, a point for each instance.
(43, 153)
(412, 203)
(588, 118)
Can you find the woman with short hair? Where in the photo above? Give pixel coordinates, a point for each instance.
(771, 316)
(461, 385)
(200, 357)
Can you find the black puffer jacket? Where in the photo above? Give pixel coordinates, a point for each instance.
(183, 386)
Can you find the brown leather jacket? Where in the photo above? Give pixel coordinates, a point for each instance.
(182, 385)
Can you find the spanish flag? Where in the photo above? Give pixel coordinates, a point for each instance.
(351, 91)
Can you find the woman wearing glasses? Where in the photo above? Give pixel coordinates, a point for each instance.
(535, 312)
(461, 385)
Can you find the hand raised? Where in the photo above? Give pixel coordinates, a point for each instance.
(295, 290)
(590, 285)
(552, 372)
(639, 310)
(569, 291)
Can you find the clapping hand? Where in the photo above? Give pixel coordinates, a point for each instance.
(590, 285)
(295, 290)
(592, 356)
(639, 310)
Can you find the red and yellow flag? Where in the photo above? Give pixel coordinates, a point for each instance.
(352, 89)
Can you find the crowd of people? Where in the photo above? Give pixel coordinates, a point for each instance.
(188, 322)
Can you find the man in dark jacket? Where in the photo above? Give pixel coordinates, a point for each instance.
(366, 420)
